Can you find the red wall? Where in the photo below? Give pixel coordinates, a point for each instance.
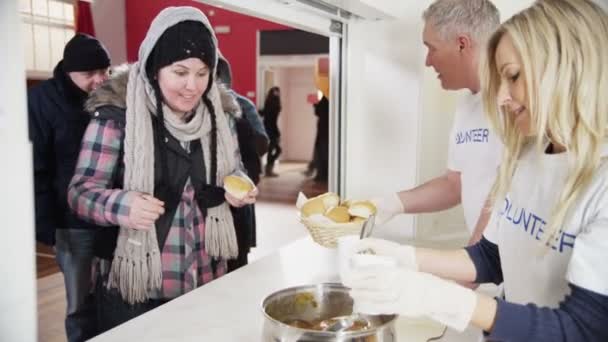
(238, 46)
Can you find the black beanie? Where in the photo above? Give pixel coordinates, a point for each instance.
(183, 40)
(84, 53)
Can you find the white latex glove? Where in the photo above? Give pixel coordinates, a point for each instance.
(386, 289)
(387, 207)
(404, 255)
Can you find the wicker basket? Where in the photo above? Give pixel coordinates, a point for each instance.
(327, 235)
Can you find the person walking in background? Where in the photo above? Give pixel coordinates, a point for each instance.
(57, 122)
(253, 143)
(321, 152)
(272, 108)
(153, 162)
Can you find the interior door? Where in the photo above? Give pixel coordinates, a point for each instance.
(314, 20)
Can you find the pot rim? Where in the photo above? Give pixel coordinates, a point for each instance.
(360, 333)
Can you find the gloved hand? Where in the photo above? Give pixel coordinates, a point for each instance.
(381, 288)
(387, 207)
(404, 255)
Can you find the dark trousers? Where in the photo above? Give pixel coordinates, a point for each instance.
(321, 155)
(274, 151)
(113, 311)
(74, 255)
(244, 225)
(240, 261)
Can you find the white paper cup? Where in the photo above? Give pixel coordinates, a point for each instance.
(373, 261)
(346, 249)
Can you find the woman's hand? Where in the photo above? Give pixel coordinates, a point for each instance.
(238, 203)
(145, 210)
(404, 255)
(379, 287)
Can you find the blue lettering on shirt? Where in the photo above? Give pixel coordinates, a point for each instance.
(534, 225)
(478, 135)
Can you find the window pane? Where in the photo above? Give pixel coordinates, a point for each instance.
(57, 44)
(28, 45)
(42, 60)
(56, 11)
(25, 6)
(68, 12)
(40, 7)
(68, 34)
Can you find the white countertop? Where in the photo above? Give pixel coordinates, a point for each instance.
(229, 308)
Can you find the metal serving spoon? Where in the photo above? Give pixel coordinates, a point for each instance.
(343, 323)
(368, 226)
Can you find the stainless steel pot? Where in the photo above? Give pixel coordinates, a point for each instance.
(313, 303)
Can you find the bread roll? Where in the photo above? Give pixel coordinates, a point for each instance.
(237, 186)
(320, 204)
(362, 209)
(330, 200)
(313, 206)
(338, 214)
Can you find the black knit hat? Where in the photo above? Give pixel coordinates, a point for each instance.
(183, 40)
(85, 53)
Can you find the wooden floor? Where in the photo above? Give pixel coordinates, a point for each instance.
(51, 308)
(286, 186)
(45, 261)
(276, 205)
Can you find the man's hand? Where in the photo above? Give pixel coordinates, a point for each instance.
(144, 210)
(387, 207)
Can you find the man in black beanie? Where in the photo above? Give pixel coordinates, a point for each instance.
(57, 122)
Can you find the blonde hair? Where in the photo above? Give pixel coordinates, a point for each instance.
(563, 46)
(477, 18)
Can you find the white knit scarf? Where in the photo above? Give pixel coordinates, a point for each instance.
(136, 269)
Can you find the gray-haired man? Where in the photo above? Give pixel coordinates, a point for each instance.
(455, 33)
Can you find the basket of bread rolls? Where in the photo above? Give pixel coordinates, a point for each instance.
(328, 218)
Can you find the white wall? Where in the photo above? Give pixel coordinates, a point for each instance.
(111, 32)
(17, 265)
(294, 74)
(437, 116)
(384, 73)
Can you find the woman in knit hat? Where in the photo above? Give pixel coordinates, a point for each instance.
(152, 162)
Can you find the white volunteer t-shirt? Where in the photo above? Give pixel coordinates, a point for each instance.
(580, 252)
(475, 151)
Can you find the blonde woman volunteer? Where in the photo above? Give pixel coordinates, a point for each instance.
(545, 89)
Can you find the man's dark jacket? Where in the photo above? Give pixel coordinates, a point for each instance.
(57, 122)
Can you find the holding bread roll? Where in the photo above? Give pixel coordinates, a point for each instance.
(238, 186)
